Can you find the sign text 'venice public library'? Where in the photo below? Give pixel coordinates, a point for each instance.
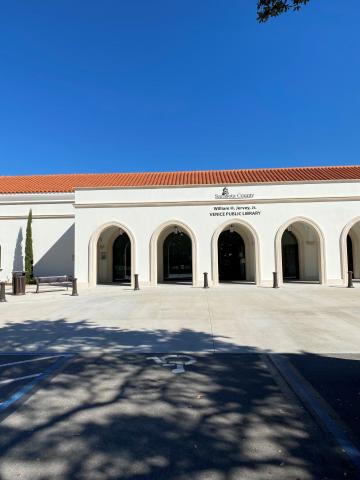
(237, 225)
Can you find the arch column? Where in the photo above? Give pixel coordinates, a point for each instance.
(301, 243)
(93, 243)
(251, 240)
(352, 228)
(154, 250)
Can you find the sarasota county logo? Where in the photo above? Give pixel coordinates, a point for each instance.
(226, 195)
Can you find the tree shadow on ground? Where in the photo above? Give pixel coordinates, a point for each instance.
(112, 416)
(83, 336)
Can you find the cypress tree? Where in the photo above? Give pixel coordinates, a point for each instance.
(29, 258)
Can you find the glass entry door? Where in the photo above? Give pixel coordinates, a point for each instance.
(290, 256)
(231, 257)
(122, 259)
(177, 256)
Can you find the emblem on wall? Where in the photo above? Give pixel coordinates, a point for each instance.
(226, 195)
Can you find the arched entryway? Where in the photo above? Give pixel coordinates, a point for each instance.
(231, 257)
(111, 255)
(177, 257)
(121, 259)
(290, 255)
(350, 246)
(235, 253)
(299, 246)
(173, 254)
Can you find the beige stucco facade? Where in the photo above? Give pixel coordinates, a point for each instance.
(67, 229)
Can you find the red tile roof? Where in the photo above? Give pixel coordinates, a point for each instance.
(69, 182)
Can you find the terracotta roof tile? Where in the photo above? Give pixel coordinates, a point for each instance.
(69, 182)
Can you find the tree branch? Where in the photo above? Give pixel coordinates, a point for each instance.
(272, 8)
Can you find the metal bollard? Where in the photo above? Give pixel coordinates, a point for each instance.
(275, 280)
(136, 281)
(206, 282)
(350, 280)
(74, 288)
(2, 292)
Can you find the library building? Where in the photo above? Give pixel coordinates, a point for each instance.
(238, 226)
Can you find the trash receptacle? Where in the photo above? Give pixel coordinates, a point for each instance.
(18, 283)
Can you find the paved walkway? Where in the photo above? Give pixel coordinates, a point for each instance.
(231, 318)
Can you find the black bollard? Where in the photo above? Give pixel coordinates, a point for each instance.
(136, 281)
(350, 280)
(74, 288)
(2, 292)
(206, 282)
(275, 280)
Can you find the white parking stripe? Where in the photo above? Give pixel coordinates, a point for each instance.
(28, 361)
(34, 380)
(10, 380)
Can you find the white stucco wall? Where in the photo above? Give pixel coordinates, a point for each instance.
(52, 228)
(328, 205)
(64, 224)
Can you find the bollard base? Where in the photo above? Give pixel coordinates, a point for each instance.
(2, 293)
(74, 288)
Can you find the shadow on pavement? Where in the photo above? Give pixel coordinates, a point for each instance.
(337, 379)
(122, 417)
(62, 335)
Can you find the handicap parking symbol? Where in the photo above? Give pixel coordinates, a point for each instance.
(177, 363)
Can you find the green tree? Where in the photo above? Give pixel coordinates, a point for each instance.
(272, 8)
(29, 257)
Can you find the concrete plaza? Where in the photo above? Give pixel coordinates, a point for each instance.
(112, 412)
(172, 318)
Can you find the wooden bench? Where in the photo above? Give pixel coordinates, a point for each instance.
(62, 280)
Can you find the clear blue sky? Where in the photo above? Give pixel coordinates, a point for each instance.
(137, 85)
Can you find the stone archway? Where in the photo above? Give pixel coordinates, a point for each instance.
(248, 261)
(101, 254)
(310, 247)
(350, 249)
(162, 234)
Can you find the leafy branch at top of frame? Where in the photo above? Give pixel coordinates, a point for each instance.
(272, 8)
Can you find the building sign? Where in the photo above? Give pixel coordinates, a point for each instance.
(234, 211)
(226, 195)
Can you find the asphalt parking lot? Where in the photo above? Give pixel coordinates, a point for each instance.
(21, 374)
(336, 378)
(141, 416)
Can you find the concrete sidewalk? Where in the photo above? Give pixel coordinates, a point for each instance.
(230, 318)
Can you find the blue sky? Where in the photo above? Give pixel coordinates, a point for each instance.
(139, 85)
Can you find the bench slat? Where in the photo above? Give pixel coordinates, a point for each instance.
(60, 279)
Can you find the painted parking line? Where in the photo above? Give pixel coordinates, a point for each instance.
(18, 379)
(309, 399)
(20, 394)
(37, 359)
